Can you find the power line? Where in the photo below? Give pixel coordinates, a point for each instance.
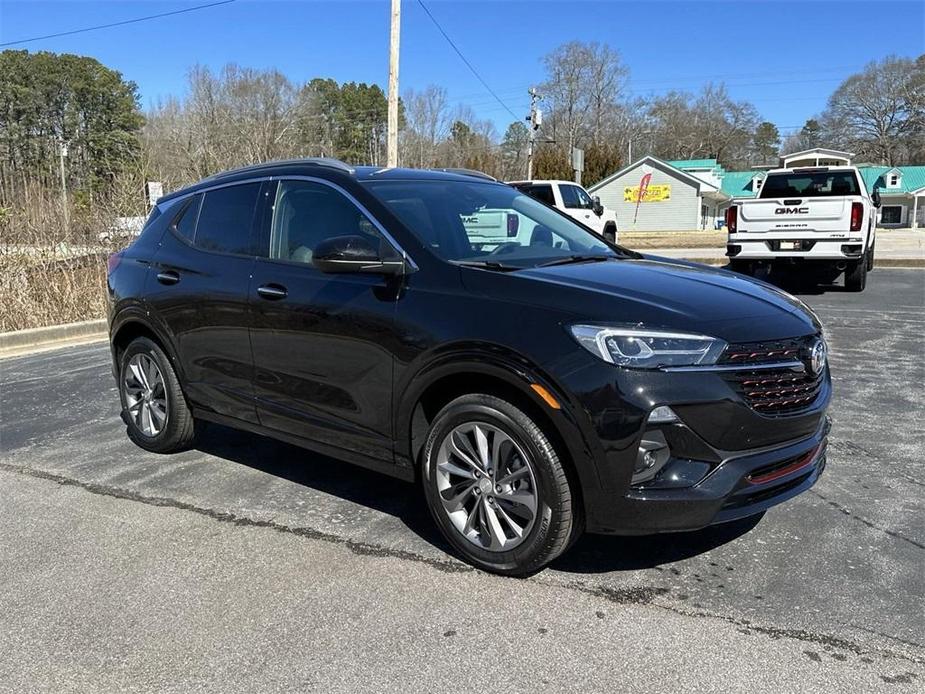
(463, 58)
(117, 24)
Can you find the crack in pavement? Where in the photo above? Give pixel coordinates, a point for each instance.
(870, 524)
(638, 595)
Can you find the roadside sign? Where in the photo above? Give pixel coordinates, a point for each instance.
(153, 191)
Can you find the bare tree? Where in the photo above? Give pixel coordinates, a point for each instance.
(427, 123)
(583, 86)
(878, 113)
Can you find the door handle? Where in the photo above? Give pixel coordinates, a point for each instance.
(272, 292)
(168, 277)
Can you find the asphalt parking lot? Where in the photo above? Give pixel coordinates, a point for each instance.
(249, 565)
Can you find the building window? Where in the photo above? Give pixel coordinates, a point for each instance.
(894, 181)
(892, 214)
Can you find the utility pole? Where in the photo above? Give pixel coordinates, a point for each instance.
(536, 120)
(392, 139)
(62, 153)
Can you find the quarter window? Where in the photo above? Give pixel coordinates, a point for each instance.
(185, 226)
(225, 219)
(306, 213)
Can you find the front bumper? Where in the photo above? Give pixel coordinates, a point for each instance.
(728, 460)
(740, 486)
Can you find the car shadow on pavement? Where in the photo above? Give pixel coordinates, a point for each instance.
(358, 485)
(404, 501)
(603, 553)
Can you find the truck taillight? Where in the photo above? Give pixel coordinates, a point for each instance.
(732, 218)
(513, 224)
(857, 215)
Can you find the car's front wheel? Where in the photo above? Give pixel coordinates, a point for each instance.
(496, 486)
(153, 406)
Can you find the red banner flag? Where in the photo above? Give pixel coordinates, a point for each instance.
(643, 188)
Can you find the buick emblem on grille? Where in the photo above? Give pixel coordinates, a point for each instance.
(817, 357)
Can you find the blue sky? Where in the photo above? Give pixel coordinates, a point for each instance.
(763, 51)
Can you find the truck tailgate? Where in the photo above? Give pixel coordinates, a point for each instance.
(788, 214)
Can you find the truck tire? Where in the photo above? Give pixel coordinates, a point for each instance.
(743, 267)
(870, 256)
(856, 275)
(610, 232)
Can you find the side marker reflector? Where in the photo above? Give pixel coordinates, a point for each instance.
(546, 395)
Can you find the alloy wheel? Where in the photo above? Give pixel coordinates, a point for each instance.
(145, 395)
(487, 486)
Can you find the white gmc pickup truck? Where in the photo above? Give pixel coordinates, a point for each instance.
(821, 218)
(575, 201)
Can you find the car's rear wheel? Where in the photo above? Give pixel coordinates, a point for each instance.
(153, 406)
(610, 232)
(496, 487)
(870, 256)
(856, 275)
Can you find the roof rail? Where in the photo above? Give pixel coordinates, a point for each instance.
(467, 172)
(329, 162)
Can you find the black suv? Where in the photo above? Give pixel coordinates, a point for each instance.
(440, 326)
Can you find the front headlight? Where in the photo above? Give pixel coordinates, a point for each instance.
(647, 349)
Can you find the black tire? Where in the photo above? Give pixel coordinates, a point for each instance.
(743, 267)
(178, 431)
(557, 520)
(856, 275)
(870, 256)
(610, 232)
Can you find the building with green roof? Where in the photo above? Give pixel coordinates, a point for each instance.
(694, 193)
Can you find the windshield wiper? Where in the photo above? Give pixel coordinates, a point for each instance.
(488, 265)
(568, 260)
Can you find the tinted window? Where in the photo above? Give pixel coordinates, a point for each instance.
(574, 197)
(225, 219)
(541, 193)
(185, 225)
(809, 184)
(306, 213)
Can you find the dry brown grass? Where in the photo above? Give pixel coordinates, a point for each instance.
(640, 240)
(50, 272)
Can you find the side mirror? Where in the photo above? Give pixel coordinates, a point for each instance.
(875, 198)
(353, 254)
(597, 208)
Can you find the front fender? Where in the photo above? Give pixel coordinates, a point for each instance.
(515, 371)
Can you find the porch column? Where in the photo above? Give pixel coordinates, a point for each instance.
(915, 212)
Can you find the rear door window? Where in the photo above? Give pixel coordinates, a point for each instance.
(543, 193)
(226, 219)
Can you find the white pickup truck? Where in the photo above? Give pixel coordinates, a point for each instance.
(822, 218)
(575, 201)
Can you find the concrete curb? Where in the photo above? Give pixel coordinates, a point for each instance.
(38, 339)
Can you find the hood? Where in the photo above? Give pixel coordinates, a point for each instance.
(663, 293)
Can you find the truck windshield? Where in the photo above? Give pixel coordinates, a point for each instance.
(810, 184)
(486, 223)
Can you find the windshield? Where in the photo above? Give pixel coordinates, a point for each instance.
(475, 222)
(810, 184)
